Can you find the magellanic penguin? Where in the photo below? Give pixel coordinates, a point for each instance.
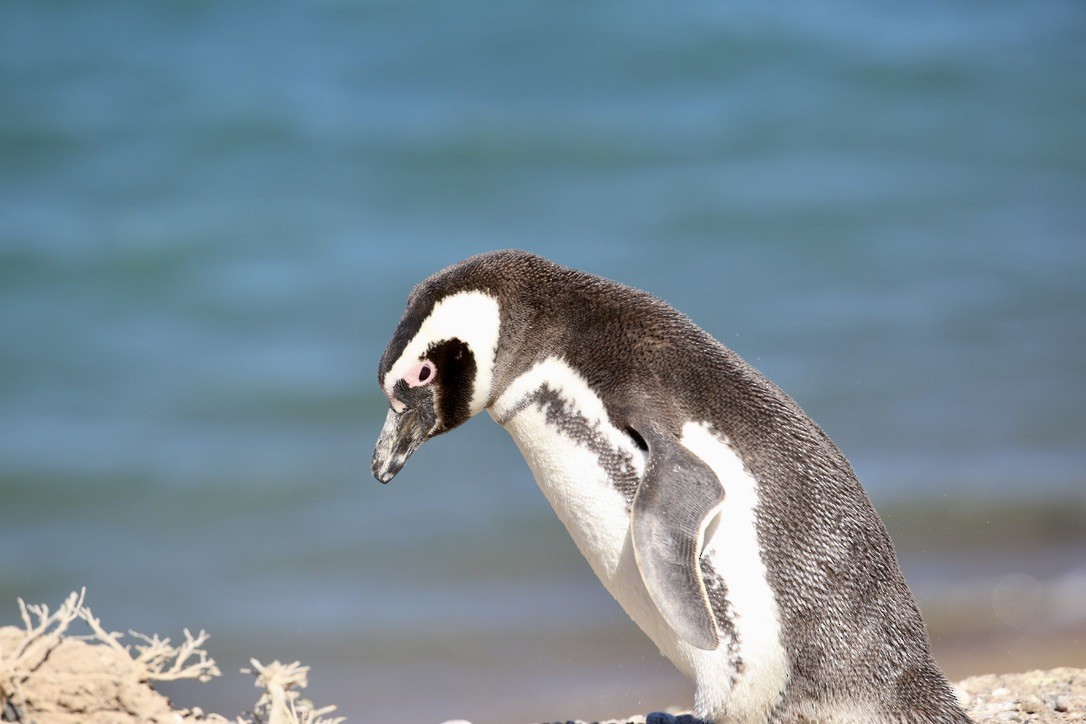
(723, 520)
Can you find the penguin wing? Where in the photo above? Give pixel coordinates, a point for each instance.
(671, 510)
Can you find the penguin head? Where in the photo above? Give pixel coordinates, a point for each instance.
(437, 370)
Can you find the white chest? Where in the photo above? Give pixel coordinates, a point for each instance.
(589, 470)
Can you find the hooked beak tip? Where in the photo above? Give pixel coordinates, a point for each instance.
(385, 470)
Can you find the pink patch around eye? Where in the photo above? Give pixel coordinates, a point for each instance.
(420, 374)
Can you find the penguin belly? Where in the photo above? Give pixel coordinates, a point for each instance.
(589, 471)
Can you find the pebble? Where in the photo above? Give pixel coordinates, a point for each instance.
(1031, 704)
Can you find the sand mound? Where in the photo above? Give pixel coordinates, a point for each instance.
(48, 674)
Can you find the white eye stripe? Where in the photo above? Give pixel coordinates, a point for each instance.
(473, 318)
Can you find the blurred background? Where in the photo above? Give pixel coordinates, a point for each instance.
(211, 215)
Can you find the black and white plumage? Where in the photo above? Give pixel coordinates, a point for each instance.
(723, 520)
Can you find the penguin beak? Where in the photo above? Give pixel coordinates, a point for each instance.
(402, 434)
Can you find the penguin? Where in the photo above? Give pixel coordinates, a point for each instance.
(721, 518)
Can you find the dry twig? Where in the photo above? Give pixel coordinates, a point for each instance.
(280, 702)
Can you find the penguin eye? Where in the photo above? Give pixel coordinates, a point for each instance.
(420, 374)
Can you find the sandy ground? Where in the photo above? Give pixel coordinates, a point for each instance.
(50, 675)
(1037, 697)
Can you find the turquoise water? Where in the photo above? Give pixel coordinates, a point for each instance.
(211, 215)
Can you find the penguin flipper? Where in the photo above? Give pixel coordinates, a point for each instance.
(671, 510)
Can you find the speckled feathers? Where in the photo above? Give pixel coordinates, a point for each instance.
(851, 634)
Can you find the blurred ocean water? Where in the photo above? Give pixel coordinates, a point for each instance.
(211, 215)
